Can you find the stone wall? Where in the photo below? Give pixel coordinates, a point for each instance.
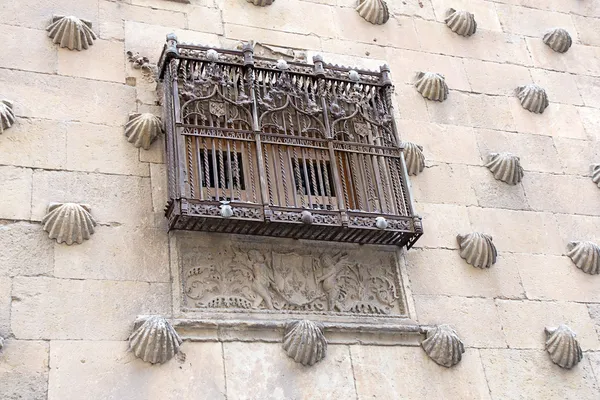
(66, 311)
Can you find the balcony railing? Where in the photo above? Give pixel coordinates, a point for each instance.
(266, 147)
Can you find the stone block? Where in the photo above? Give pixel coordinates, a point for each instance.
(37, 14)
(537, 152)
(548, 192)
(104, 61)
(24, 372)
(396, 372)
(423, 10)
(589, 87)
(579, 59)
(32, 52)
(587, 29)
(442, 223)
(485, 12)
(530, 374)
(560, 86)
(577, 155)
(175, 5)
(557, 120)
(275, 38)
(15, 202)
(554, 278)
(156, 153)
(116, 253)
(68, 98)
(531, 22)
(129, 200)
(519, 231)
(443, 183)
(34, 143)
(205, 19)
(495, 78)
(523, 322)
(276, 376)
(26, 249)
(578, 227)
(410, 104)
(594, 359)
(5, 299)
(48, 308)
(435, 137)
(104, 149)
(357, 49)
(443, 272)
(493, 193)
(158, 176)
(476, 320)
(590, 119)
(107, 370)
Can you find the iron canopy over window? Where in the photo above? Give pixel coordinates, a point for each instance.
(266, 147)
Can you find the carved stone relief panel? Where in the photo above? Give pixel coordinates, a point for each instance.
(224, 273)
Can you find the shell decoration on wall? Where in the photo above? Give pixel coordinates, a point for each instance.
(477, 249)
(7, 114)
(304, 342)
(596, 174)
(1, 343)
(373, 11)
(154, 340)
(558, 39)
(261, 3)
(461, 22)
(71, 32)
(432, 86)
(586, 255)
(69, 222)
(563, 346)
(533, 98)
(443, 345)
(415, 159)
(506, 167)
(143, 129)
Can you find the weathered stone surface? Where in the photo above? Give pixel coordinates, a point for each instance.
(410, 104)
(24, 372)
(523, 322)
(36, 14)
(304, 342)
(385, 372)
(15, 202)
(444, 183)
(204, 19)
(578, 227)
(518, 374)
(485, 13)
(106, 370)
(576, 155)
(579, 59)
(560, 120)
(561, 86)
(26, 250)
(71, 32)
(116, 253)
(103, 61)
(594, 360)
(531, 22)
(279, 38)
(443, 221)
(587, 29)
(158, 177)
(47, 308)
(130, 200)
(461, 312)
(276, 376)
(495, 78)
(39, 54)
(5, 298)
(563, 346)
(589, 87)
(443, 272)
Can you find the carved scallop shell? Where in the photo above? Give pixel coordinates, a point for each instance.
(154, 340)
(461, 22)
(443, 345)
(71, 32)
(533, 98)
(1, 343)
(558, 39)
(596, 174)
(586, 255)
(374, 11)
(415, 159)
(563, 346)
(432, 86)
(69, 222)
(477, 249)
(7, 115)
(261, 3)
(304, 342)
(143, 129)
(506, 167)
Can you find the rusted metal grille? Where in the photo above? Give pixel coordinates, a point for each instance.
(266, 147)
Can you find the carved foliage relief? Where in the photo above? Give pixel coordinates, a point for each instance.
(259, 276)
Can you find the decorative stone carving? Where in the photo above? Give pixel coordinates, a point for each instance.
(304, 342)
(415, 159)
(154, 340)
(432, 86)
(461, 22)
(443, 345)
(261, 3)
(563, 346)
(586, 255)
(533, 98)
(596, 174)
(477, 249)
(558, 39)
(374, 11)
(255, 275)
(1, 343)
(69, 222)
(7, 115)
(71, 32)
(142, 63)
(506, 167)
(143, 129)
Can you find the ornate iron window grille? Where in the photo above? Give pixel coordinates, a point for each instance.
(262, 147)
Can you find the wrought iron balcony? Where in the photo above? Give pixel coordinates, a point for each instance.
(265, 147)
